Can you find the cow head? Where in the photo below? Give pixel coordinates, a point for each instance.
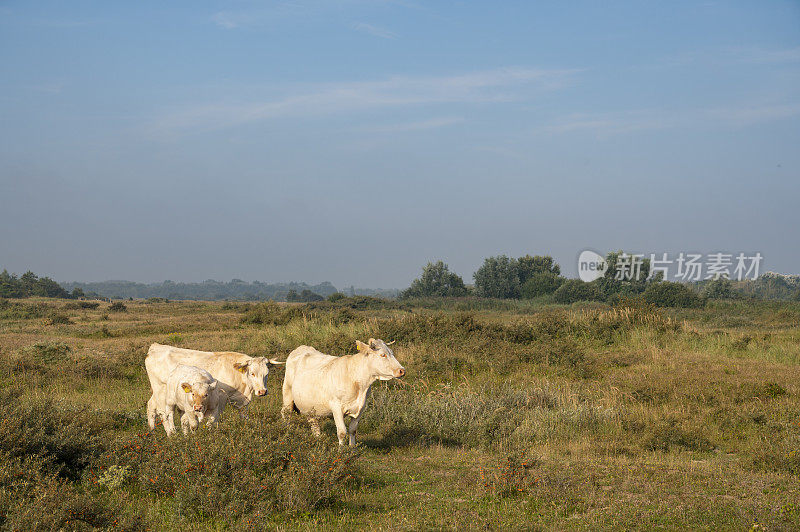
(381, 359)
(201, 395)
(255, 372)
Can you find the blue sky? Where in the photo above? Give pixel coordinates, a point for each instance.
(353, 141)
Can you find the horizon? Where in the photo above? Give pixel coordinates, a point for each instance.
(355, 141)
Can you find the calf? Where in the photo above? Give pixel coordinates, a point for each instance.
(191, 390)
(320, 385)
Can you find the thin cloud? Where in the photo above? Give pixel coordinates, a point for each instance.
(420, 125)
(733, 55)
(375, 31)
(490, 86)
(608, 124)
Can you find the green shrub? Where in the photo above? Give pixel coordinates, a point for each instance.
(117, 306)
(66, 441)
(718, 289)
(574, 290)
(48, 352)
(13, 310)
(243, 468)
(270, 313)
(33, 499)
(59, 319)
(82, 305)
(540, 284)
(436, 281)
(669, 294)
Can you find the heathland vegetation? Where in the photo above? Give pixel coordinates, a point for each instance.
(514, 414)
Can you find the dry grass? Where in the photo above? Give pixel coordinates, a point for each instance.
(511, 416)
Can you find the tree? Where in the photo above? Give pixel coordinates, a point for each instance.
(610, 287)
(436, 281)
(497, 277)
(540, 284)
(309, 296)
(573, 290)
(528, 266)
(668, 294)
(720, 288)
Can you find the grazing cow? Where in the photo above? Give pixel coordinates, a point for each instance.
(320, 385)
(194, 392)
(239, 375)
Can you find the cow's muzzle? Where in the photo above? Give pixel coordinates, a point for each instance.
(399, 373)
(198, 408)
(261, 393)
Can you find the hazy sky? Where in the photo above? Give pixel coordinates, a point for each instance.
(352, 141)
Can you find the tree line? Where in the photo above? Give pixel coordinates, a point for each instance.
(29, 284)
(539, 276)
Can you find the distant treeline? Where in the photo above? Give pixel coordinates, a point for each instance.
(211, 290)
(539, 276)
(29, 284)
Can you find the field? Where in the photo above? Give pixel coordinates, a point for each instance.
(511, 416)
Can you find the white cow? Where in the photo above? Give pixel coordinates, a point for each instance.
(194, 392)
(320, 385)
(239, 376)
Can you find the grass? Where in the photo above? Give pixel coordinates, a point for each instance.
(512, 416)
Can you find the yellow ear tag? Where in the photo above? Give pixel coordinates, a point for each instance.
(186, 388)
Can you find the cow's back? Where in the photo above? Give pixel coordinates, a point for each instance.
(309, 375)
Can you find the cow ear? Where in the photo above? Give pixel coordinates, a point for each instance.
(241, 368)
(372, 343)
(361, 346)
(186, 387)
(212, 386)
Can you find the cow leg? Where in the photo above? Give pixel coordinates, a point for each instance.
(288, 402)
(214, 417)
(169, 420)
(189, 422)
(338, 418)
(315, 430)
(185, 423)
(351, 430)
(152, 412)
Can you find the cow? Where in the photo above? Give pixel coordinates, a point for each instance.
(239, 376)
(191, 390)
(319, 385)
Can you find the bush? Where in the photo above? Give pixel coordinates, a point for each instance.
(66, 441)
(59, 319)
(82, 305)
(718, 289)
(23, 311)
(436, 281)
(117, 306)
(270, 313)
(48, 352)
(669, 294)
(242, 469)
(540, 284)
(497, 277)
(336, 296)
(36, 500)
(573, 290)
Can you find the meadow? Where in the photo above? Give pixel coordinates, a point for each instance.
(512, 415)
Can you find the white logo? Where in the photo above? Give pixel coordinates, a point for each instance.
(591, 266)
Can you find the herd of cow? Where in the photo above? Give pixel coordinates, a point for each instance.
(200, 383)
